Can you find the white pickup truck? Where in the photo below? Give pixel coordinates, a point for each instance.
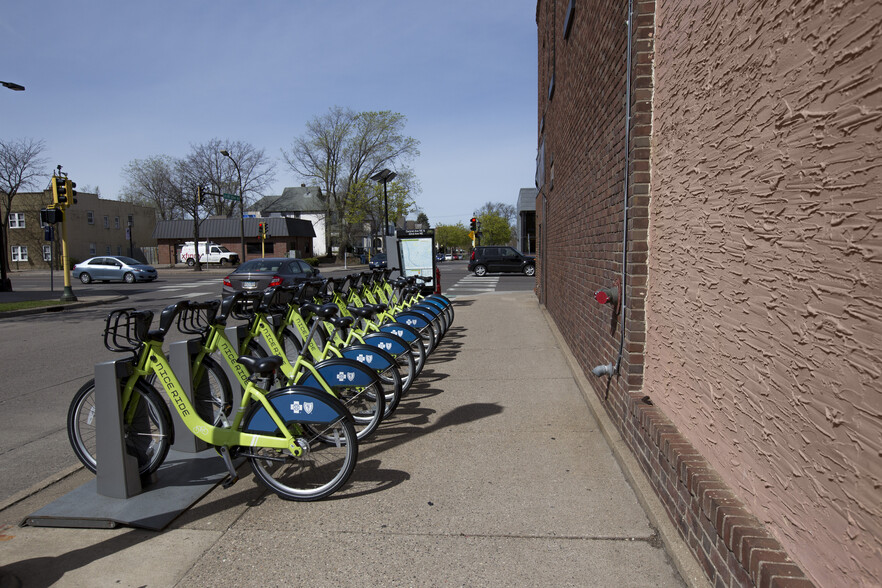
(208, 253)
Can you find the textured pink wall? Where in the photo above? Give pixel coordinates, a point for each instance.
(765, 288)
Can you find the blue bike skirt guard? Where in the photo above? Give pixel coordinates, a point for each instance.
(391, 345)
(297, 407)
(372, 358)
(339, 373)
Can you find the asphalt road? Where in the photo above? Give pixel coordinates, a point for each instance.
(47, 357)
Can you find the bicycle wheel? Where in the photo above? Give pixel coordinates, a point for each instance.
(292, 346)
(367, 405)
(412, 337)
(212, 394)
(148, 434)
(330, 451)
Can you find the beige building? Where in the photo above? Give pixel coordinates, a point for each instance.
(95, 226)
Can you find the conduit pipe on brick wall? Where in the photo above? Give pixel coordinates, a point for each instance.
(608, 370)
(627, 179)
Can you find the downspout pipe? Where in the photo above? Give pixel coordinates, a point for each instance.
(627, 179)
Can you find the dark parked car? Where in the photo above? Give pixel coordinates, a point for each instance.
(501, 259)
(260, 274)
(108, 268)
(378, 261)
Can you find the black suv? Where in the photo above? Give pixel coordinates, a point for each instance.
(501, 259)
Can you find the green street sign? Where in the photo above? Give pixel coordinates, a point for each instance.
(231, 197)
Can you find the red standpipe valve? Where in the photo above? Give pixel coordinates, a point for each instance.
(608, 296)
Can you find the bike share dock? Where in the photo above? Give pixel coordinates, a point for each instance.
(493, 471)
(118, 495)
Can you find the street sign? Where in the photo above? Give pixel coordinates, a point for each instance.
(231, 197)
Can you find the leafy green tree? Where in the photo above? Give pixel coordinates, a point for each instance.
(495, 230)
(452, 236)
(498, 222)
(366, 203)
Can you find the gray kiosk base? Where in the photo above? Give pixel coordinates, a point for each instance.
(117, 495)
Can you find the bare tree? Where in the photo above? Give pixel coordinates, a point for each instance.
(317, 157)
(20, 169)
(150, 182)
(343, 148)
(246, 168)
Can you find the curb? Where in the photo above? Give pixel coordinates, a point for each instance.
(60, 308)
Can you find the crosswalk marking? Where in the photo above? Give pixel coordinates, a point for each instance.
(179, 286)
(193, 294)
(472, 284)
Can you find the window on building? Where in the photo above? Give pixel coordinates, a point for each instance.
(108, 250)
(119, 249)
(19, 253)
(16, 220)
(47, 252)
(116, 222)
(90, 217)
(92, 250)
(106, 222)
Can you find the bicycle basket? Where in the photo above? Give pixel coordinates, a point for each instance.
(126, 329)
(245, 308)
(197, 317)
(282, 298)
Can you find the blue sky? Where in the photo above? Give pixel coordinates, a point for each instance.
(112, 81)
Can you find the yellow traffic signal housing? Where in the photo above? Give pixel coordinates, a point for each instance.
(71, 193)
(59, 191)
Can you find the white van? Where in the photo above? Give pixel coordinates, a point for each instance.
(208, 253)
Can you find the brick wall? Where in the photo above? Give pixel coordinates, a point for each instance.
(580, 224)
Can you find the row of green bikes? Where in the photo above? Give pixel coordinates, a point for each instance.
(311, 370)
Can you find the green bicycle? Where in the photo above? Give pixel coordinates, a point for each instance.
(300, 441)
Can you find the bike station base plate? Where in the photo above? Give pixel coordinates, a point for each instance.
(181, 481)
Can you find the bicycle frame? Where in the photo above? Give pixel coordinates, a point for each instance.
(152, 359)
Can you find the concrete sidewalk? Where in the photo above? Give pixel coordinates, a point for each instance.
(493, 471)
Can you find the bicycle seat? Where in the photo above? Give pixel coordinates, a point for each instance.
(361, 311)
(260, 365)
(324, 311)
(341, 322)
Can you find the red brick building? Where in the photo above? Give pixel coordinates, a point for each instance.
(718, 164)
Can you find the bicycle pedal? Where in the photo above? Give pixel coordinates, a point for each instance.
(229, 481)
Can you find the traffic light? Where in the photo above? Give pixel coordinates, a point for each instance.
(474, 224)
(51, 215)
(71, 193)
(59, 191)
(261, 230)
(200, 195)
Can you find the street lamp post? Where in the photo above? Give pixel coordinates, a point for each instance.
(226, 153)
(131, 244)
(385, 175)
(5, 282)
